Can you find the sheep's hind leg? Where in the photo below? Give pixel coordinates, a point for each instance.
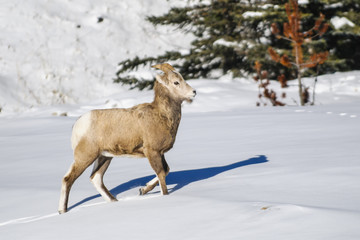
(149, 186)
(155, 181)
(74, 172)
(97, 175)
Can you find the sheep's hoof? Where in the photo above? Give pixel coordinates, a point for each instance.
(62, 211)
(141, 192)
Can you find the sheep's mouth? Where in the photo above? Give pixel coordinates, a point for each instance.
(190, 96)
(190, 99)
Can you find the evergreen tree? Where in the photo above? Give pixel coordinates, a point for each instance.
(232, 34)
(337, 41)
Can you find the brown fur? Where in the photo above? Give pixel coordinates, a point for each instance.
(145, 130)
(145, 126)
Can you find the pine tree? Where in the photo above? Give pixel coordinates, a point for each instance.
(342, 43)
(337, 41)
(230, 35)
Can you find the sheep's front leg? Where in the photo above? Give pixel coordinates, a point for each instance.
(161, 168)
(152, 184)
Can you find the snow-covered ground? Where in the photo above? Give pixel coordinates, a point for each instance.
(237, 171)
(252, 173)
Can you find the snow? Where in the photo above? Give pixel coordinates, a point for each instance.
(237, 171)
(268, 173)
(55, 52)
(303, 2)
(339, 22)
(334, 5)
(242, 44)
(223, 42)
(249, 14)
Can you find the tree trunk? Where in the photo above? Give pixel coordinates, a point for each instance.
(298, 65)
(301, 93)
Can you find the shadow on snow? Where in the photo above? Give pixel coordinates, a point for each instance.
(179, 178)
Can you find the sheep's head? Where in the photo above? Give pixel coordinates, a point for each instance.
(175, 83)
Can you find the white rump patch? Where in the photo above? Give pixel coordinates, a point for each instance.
(80, 128)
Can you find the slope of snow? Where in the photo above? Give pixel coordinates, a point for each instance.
(66, 51)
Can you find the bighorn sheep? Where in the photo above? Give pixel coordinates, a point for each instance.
(145, 130)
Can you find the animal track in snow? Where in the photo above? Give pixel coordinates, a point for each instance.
(341, 114)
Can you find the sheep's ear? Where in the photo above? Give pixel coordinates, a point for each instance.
(165, 67)
(161, 80)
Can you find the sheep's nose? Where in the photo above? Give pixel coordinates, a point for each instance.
(194, 92)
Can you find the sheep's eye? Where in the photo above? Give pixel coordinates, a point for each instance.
(176, 83)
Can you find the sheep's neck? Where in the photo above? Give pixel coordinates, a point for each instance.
(169, 109)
